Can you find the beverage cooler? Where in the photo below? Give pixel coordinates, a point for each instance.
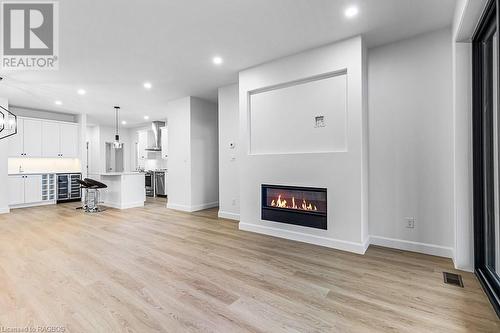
(68, 188)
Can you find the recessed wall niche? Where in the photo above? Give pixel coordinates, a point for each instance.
(305, 116)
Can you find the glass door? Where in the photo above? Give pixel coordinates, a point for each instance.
(486, 154)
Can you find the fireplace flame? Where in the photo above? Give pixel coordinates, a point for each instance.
(282, 203)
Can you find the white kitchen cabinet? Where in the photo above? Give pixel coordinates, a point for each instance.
(69, 140)
(142, 144)
(164, 143)
(28, 140)
(59, 139)
(32, 188)
(32, 138)
(44, 138)
(16, 190)
(15, 142)
(50, 139)
(26, 190)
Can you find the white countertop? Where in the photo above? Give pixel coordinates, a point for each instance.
(42, 173)
(121, 173)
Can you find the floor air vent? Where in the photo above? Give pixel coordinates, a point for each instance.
(454, 279)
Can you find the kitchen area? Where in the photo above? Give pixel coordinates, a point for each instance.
(151, 146)
(49, 157)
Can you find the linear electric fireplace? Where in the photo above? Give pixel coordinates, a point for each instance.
(304, 206)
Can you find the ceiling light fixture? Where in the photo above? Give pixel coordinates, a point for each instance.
(124, 122)
(147, 85)
(8, 122)
(217, 60)
(58, 102)
(81, 92)
(350, 12)
(117, 144)
(146, 117)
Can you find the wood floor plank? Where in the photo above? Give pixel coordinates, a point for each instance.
(153, 269)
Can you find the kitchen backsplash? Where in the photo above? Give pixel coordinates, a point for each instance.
(154, 164)
(44, 165)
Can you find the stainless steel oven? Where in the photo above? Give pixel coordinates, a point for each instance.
(150, 184)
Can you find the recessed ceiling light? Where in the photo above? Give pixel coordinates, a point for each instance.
(124, 122)
(147, 85)
(217, 60)
(81, 92)
(351, 11)
(58, 102)
(146, 117)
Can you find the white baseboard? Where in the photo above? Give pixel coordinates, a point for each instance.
(227, 215)
(194, 208)
(435, 250)
(464, 268)
(33, 204)
(4, 210)
(338, 244)
(183, 208)
(203, 206)
(124, 206)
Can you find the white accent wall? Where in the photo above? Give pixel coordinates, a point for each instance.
(411, 144)
(4, 201)
(229, 182)
(193, 154)
(341, 168)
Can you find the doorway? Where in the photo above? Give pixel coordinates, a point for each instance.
(486, 121)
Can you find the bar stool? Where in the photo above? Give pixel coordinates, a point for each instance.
(85, 187)
(93, 201)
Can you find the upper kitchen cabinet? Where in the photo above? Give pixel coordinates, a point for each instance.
(27, 142)
(50, 139)
(145, 140)
(69, 140)
(142, 144)
(164, 143)
(59, 139)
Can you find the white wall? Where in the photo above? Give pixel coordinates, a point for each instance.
(229, 182)
(193, 157)
(92, 137)
(204, 155)
(97, 137)
(44, 114)
(4, 200)
(340, 172)
(411, 143)
(179, 154)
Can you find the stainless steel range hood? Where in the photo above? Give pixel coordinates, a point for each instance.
(156, 125)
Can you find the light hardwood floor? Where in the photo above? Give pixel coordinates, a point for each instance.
(157, 270)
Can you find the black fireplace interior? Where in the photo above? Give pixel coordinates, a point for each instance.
(304, 206)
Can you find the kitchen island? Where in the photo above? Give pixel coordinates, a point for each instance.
(125, 189)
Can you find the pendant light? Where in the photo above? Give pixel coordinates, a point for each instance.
(117, 144)
(8, 122)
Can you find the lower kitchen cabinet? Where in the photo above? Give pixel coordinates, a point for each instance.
(26, 190)
(16, 190)
(32, 188)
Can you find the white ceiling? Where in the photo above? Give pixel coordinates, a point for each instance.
(110, 47)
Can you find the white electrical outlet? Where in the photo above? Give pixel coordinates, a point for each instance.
(410, 222)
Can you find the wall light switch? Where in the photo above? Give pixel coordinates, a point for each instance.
(319, 121)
